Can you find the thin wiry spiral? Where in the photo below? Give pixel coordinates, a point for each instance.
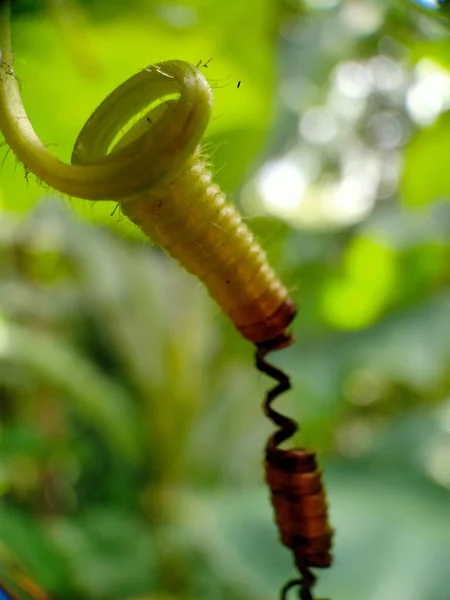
(297, 492)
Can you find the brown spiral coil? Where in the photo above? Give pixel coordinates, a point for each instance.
(297, 491)
(298, 498)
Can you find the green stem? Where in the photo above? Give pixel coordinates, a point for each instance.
(172, 101)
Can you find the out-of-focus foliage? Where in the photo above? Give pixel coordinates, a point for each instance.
(94, 333)
(131, 432)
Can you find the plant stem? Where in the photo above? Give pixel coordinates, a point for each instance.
(173, 101)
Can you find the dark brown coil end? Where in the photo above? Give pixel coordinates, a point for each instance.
(272, 327)
(300, 506)
(305, 584)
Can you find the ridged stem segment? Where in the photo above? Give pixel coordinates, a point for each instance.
(190, 218)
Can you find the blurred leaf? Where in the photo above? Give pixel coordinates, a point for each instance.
(25, 538)
(410, 346)
(110, 552)
(236, 535)
(426, 176)
(101, 402)
(356, 300)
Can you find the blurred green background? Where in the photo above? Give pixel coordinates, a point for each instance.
(131, 432)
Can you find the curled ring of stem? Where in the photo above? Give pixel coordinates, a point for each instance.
(168, 106)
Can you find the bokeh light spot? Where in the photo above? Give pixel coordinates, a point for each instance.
(430, 94)
(281, 185)
(387, 130)
(318, 125)
(387, 75)
(353, 79)
(362, 17)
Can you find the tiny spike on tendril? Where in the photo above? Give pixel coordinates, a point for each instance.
(297, 492)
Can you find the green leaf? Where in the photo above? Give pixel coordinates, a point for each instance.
(25, 540)
(426, 175)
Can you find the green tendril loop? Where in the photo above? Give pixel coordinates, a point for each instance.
(164, 110)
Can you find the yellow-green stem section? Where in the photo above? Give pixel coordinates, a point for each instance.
(190, 218)
(140, 148)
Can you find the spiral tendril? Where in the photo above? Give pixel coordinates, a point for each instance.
(298, 496)
(140, 148)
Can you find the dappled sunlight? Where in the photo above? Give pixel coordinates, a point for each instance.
(348, 201)
(429, 95)
(318, 126)
(281, 185)
(387, 74)
(353, 80)
(361, 17)
(369, 108)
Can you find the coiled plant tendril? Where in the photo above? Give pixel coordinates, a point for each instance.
(140, 148)
(102, 169)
